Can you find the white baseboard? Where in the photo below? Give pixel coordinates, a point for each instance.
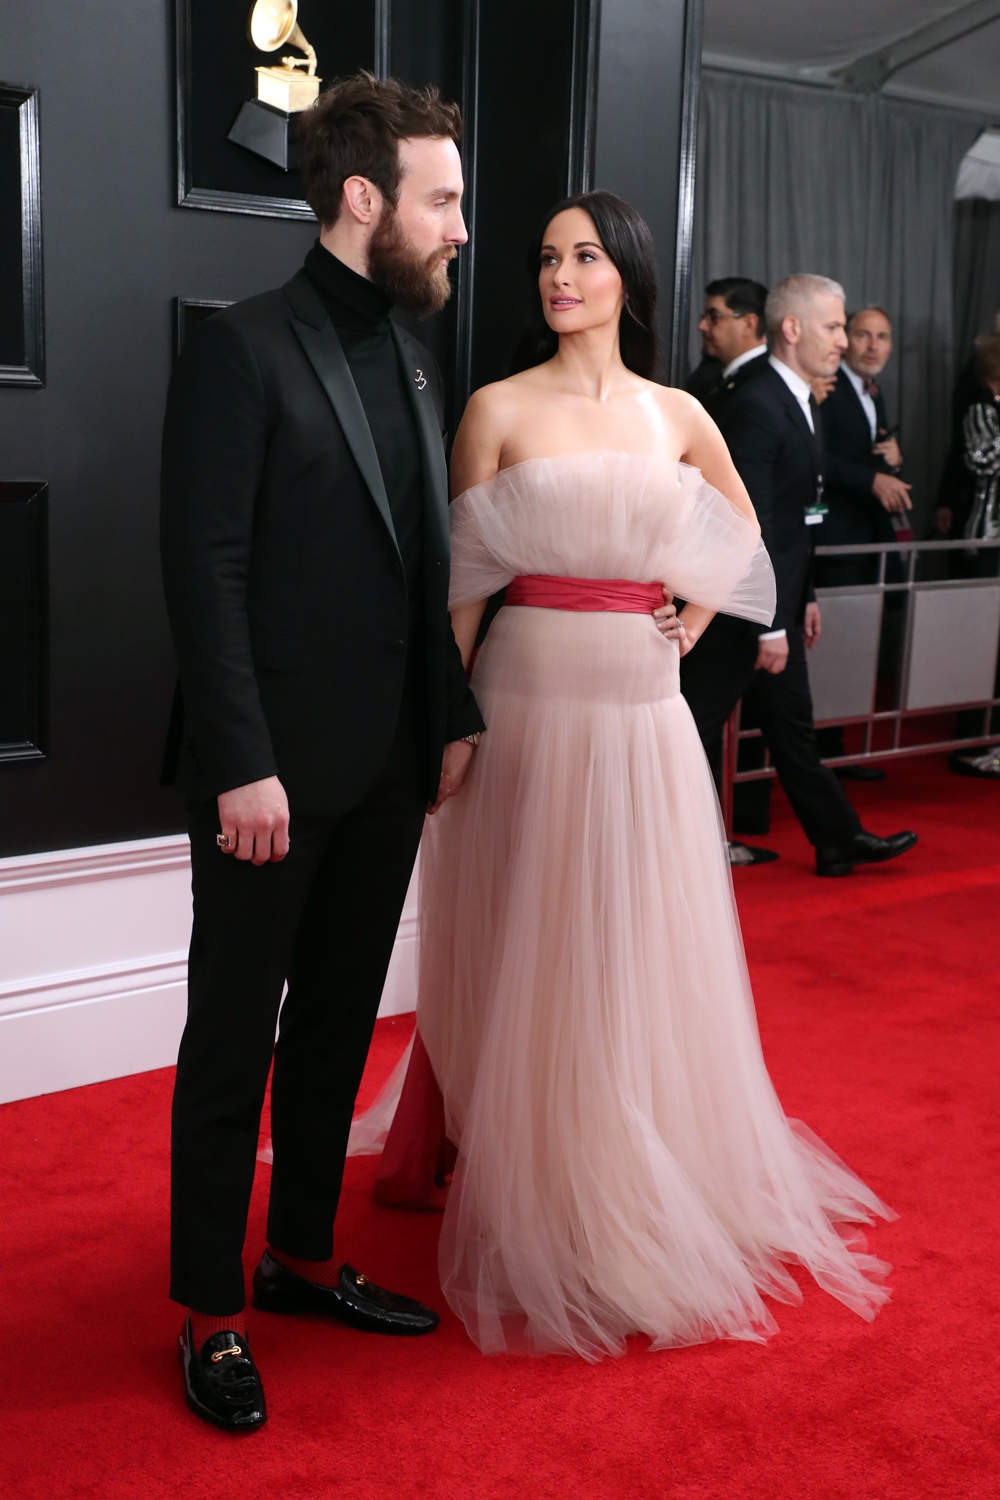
(93, 963)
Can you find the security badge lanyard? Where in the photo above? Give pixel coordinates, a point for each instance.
(818, 509)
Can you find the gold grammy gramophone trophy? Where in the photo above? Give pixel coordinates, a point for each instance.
(265, 125)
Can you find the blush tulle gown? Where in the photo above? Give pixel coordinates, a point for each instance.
(624, 1163)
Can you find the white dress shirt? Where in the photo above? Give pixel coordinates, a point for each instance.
(744, 359)
(799, 388)
(868, 402)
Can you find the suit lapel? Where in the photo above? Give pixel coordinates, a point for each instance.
(429, 433)
(324, 352)
(798, 418)
(858, 412)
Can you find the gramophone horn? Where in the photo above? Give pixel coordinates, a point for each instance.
(273, 23)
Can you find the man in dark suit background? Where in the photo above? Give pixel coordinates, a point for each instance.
(772, 428)
(305, 546)
(861, 475)
(867, 500)
(733, 345)
(732, 333)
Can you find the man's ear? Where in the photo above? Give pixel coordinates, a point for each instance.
(362, 200)
(791, 329)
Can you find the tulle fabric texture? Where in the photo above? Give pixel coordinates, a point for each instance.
(625, 1165)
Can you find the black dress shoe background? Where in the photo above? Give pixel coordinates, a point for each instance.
(864, 849)
(747, 854)
(221, 1382)
(354, 1300)
(859, 773)
(983, 764)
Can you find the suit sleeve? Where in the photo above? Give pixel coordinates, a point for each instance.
(754, 448)
(462, 716)
(843, 473)
(214, 444)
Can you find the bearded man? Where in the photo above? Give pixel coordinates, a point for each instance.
(305, 551)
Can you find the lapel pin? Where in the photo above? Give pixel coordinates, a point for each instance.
(420, 380)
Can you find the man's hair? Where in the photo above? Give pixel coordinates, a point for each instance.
(868, 307)
(354, 130)
(793, 295)
(988, 357)
(741, 296)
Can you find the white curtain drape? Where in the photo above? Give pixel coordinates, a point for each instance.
(861, 189)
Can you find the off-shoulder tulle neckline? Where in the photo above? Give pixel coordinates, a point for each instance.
(555, 458)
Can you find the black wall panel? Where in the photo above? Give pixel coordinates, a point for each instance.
(117, 252)
(557, 94)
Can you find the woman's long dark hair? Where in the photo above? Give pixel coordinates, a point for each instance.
(626, 238)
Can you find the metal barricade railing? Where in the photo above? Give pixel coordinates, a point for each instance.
(927, 664)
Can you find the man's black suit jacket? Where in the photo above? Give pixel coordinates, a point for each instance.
(284, 584)
(849, 468)
(718, 399)
(779, 462)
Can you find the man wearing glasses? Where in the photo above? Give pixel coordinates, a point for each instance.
(732, 332)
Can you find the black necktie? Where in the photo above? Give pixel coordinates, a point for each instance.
(818, 435)
(817, 426)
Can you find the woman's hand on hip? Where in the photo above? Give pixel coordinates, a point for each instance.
(669, 623)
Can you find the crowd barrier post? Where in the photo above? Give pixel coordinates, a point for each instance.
(948, 659)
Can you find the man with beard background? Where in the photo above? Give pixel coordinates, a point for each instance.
(305, 550)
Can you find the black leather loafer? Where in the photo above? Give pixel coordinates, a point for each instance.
(859, 773)
(864, 849)
(354, 1300)
(750, 854)
(221, 1381)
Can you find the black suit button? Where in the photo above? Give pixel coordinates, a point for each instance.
(397, 647)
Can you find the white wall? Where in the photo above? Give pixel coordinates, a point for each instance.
(93, 963)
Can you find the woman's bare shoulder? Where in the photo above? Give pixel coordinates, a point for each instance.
(508, 394)
(675, 403)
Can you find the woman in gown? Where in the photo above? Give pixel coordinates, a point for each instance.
(624, 1164)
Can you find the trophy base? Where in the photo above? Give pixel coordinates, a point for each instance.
(267, 132)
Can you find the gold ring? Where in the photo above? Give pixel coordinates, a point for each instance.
(227, 843)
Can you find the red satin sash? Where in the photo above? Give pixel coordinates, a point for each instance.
(545, 591)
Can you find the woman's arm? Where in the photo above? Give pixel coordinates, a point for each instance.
(705, 449)
(476, 451)
(696, 619)
(465, 623)
(475, 458)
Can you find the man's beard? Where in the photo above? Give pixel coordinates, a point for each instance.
(418, 284)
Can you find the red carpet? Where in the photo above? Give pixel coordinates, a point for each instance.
(878, 1008)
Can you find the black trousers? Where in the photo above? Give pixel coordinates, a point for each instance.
(719, 672)
(325, 919)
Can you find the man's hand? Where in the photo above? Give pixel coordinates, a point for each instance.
(812, 627)
(888, 449)
(942, 520)
(455, 763)
(772, 656)
(822, 386)
(892, 493)
(255, 818)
